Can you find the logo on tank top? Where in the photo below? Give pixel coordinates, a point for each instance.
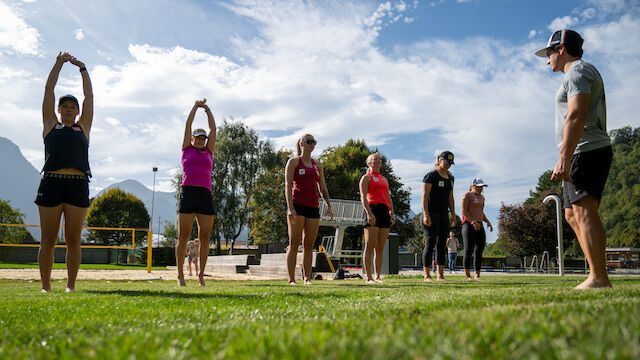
(375, 179)
(301, 172)
(440, 183)
(476, 200)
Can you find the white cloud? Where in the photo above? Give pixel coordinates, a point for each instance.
(532, 34)
(79, 34)
(16, 36)
(588, 13)
(563, 23)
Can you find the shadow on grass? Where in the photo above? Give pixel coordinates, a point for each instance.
(187, 295)
(172, 294)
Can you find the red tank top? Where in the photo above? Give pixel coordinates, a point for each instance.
(305, 184)
(378, 192)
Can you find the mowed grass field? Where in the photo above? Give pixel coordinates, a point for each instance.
(500, 317)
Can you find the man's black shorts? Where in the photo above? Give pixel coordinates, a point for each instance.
(56, 189)
(589, 171)
(195, 199)
(381, 212)
(307, 211)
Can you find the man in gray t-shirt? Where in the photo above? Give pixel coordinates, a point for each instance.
(585, 147)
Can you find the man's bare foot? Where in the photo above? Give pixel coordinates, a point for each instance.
(378, 280)
(440, 278)
(292, 282)
(46, 290)
(69, 289)
(593, 284)
(370, 281)
(428, 279)
(477, 277)
(307, 281)
(200, 280)
(181, 281)
(469, 278)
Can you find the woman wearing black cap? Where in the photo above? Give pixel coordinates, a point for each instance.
(437, 200)
(195, 199)
(64, 188)
(473, 235)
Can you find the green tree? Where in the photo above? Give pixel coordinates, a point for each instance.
(343, 167)
(116, 208)
(11, 234)
(545, 186)
(170, 233)
(619, 207)
(267, 207)
(525, 230)
(238, 162)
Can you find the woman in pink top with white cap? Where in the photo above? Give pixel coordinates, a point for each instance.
(473, 234)
(196, 200)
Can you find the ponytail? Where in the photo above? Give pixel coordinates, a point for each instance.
(298, 148)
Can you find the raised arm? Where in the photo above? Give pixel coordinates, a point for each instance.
(426, 190)
(211, 140)
(288, 188)
(49, 118)
(186, 141)
(86, 117)
(322, 185)
(364, 189)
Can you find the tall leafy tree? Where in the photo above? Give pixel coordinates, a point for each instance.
(116, 208)
(619, 207)
(11, 234)
(267, 207)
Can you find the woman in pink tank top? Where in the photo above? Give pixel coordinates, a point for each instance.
(195, 200)
(304, 180)
(376, 200)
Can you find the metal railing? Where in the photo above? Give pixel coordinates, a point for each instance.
(347, 212)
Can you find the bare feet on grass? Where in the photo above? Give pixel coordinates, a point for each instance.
(293, 283)
(440, 278)
(428, 279)
(378, 280)
(181, 281)
(307, 281)
(593, 284)
(370, 281)
(69, 289)
(200, 280)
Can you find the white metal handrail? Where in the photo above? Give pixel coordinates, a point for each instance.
(347, 212)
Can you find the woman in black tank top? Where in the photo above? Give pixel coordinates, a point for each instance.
(64, 189)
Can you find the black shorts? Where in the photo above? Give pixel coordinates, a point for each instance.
(56, 189)
(307, 211)
(381, 212)
(195, 199)
(589, 171)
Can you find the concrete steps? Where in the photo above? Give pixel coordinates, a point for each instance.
(275, 265)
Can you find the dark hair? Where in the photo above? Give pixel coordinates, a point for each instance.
(574, 50)
(68, 97)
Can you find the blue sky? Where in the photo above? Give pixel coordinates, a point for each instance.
(411, 77)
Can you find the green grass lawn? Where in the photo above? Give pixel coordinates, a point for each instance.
(34, 265)
(519, 317)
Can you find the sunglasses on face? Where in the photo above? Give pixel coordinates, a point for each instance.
(310, 141)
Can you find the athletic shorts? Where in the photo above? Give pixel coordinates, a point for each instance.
(381, 212)
(307, 211)
(195, 199)
(193, 258)
(56, 189)
(589, 171)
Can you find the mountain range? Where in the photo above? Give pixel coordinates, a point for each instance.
(20, 182)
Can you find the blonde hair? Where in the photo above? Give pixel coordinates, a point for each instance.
(298, 146)
(435, 166)
(370, 158)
